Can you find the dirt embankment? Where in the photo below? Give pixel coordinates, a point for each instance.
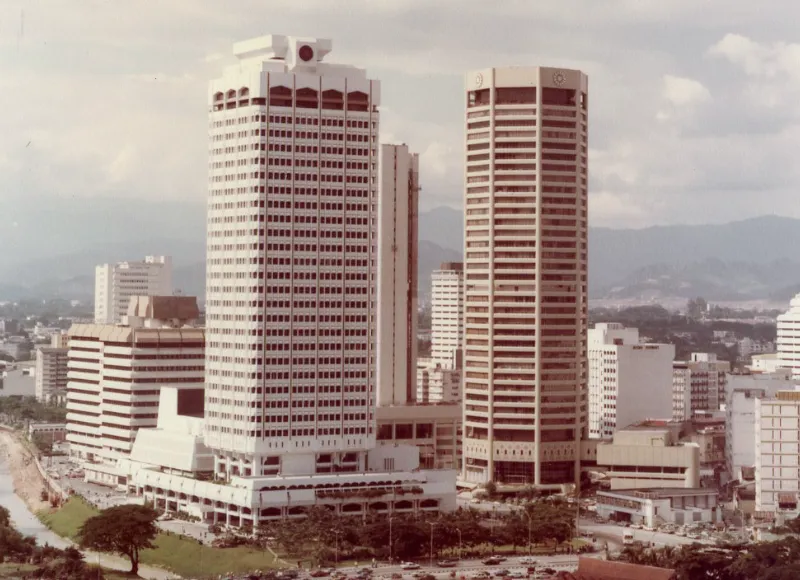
(28, 482)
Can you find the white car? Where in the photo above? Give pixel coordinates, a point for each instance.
(527, 561)
(516, 574)
(409, 566)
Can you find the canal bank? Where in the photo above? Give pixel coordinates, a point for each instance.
(18, 483)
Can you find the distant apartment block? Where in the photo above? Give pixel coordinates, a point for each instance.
(788, 338)
(116, 284)
(629, 381)
(698, 385)
(51, 370)
(777, 447)
(436, 384)
(115, 373)
(397, 275)
(447, 315)
(740, 415)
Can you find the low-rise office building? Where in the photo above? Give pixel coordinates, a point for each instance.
(649, 454)
(171, 467)
(657, 506)
(434, 429)
(116, 373)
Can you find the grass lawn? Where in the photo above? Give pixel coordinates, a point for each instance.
(67, 520)
(16, 571)
(184, 556)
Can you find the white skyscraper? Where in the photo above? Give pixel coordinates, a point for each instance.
(397, 275)
(788, 340)
(447, 314)
(629, 381)
(115, 284)
(291, 261)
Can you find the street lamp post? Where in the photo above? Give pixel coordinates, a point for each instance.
(431, 524)
(336, 534)
(391, 543)
(459, 542)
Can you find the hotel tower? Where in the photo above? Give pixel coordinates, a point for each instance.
(525, 270)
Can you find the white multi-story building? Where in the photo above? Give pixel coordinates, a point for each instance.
(447, 315)
(788, 337)
(291, 260)
(777, 446)
(436, 384)
(115, 373)
(629, 381)
(116, 284)
(397, 275)
(292, 255)
(698, 385)
(525, 264)
(51, 370)
(740, 415)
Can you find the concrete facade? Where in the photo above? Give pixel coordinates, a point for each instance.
(525, 264)
(629, 381)
(115, 373)
(698, 384)
(777, 444)
(447, 315)
(51, 374)
(291, 259)
(116, 284)
(398, 200)
(649, 456)
(434, 429)
(652, 507)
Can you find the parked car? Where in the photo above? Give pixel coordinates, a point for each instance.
(319, 573)
(516, 574)
(528, 561)
(501, 573)
(446, 563)
(493, 561)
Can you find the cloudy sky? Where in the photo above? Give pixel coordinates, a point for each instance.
(694, 104)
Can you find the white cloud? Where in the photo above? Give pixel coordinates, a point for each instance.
(112, 95)
(682, 91)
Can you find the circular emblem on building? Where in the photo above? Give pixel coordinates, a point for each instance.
(306, 53)
(479, 80)
(559, 78)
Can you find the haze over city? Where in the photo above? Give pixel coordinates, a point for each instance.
(694, 104)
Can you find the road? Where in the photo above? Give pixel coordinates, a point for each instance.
(469, 567)
(613, 535)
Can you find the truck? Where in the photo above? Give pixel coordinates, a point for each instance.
(627, 537)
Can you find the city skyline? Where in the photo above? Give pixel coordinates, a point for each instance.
(721, 95)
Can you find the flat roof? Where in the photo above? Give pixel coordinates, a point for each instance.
(659, 492)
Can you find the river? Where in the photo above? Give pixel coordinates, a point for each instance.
(23, 519)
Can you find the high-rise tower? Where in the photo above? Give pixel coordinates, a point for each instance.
(291, 259)
(525, 357)
(397, 276)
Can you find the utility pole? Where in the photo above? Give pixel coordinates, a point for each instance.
(431, 524)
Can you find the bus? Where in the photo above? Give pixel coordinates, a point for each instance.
(627, 537)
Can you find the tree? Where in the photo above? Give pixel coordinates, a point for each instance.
(124, 529)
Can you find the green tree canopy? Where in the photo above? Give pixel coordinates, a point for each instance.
(124, 529)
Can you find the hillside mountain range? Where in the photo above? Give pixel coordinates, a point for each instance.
(50, 248)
